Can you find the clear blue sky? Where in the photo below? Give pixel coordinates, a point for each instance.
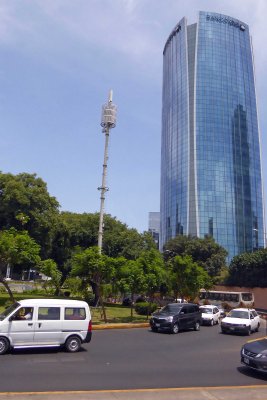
(58, 60)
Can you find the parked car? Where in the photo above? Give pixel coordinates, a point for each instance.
(221, 309)
(241, 320)
(45, 323)
(176, 317)
(210, 314)
(254, 355)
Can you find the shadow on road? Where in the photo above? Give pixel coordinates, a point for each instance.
(46, 350)
(253, 374)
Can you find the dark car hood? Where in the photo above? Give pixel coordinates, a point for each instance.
(258, 346)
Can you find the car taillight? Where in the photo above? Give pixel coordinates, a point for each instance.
(90, 326)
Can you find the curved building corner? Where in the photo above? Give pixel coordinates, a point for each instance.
(211, 181)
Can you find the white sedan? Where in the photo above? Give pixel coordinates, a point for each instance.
(241, 320)
(210, 314)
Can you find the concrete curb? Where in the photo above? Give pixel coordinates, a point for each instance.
(120, 326)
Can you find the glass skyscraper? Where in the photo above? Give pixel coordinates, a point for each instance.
(211, 181)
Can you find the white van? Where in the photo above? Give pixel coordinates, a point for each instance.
(45, 323)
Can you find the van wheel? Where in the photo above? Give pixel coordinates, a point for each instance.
(197, 326)
(249, 331)
(73, 344)
(4, 345)
(175, 328)
(257, 329)
(212, 322)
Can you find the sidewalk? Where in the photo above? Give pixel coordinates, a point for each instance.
(146, 325)
(199, 393)
(120, 326)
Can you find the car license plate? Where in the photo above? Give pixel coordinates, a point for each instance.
(246, 360)
(232, 328)
(157, 325)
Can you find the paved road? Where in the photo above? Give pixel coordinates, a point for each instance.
(133, 358)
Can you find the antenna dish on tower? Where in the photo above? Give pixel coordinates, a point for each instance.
(109, 113)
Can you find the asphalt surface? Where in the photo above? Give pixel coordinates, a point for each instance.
(133, 359)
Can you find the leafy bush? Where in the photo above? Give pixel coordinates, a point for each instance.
(145, 308)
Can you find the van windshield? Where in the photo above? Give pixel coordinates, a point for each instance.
(171, 308)
(9, 310)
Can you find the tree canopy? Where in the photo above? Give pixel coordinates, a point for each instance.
(187, 277)
(26, 205)
(16, 248)
(249, 269)
(205, 252)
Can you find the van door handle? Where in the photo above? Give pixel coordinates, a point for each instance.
(30, 324)
(40, 324)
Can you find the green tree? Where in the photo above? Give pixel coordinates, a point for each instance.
(49, 268)
(94, 269)
(249, 269)
(120, 241)
(152, 265)
(16, 248)
(81, 230)
(131, 279)
(26, 205)
(187, 277)
(205, 252)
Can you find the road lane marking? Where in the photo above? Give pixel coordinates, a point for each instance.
(133, 390)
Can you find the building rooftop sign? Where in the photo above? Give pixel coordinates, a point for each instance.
(224, 20)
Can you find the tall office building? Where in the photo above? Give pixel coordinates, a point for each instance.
(154, 226)
(211, 181)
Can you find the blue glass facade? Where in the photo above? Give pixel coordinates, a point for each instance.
(211, 171)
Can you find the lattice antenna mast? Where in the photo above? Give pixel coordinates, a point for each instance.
(108, 121)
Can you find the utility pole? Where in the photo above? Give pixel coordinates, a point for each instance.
(108, 121)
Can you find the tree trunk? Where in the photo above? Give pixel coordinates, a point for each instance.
(103, 309)
(96, 291)
(8, 290)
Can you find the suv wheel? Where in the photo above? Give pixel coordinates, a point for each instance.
(212, 322)
(175, 328)
(154, 329)
(197, 326)
(257, 329)
(249, 331)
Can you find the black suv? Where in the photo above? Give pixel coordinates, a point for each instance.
(176, 317)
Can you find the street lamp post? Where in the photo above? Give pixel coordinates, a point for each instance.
(108, 121)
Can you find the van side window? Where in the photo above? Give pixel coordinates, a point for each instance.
(190, 309)
(49, 313)
(23, 313)
(74, 313)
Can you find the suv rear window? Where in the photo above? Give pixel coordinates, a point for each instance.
(191, 309)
